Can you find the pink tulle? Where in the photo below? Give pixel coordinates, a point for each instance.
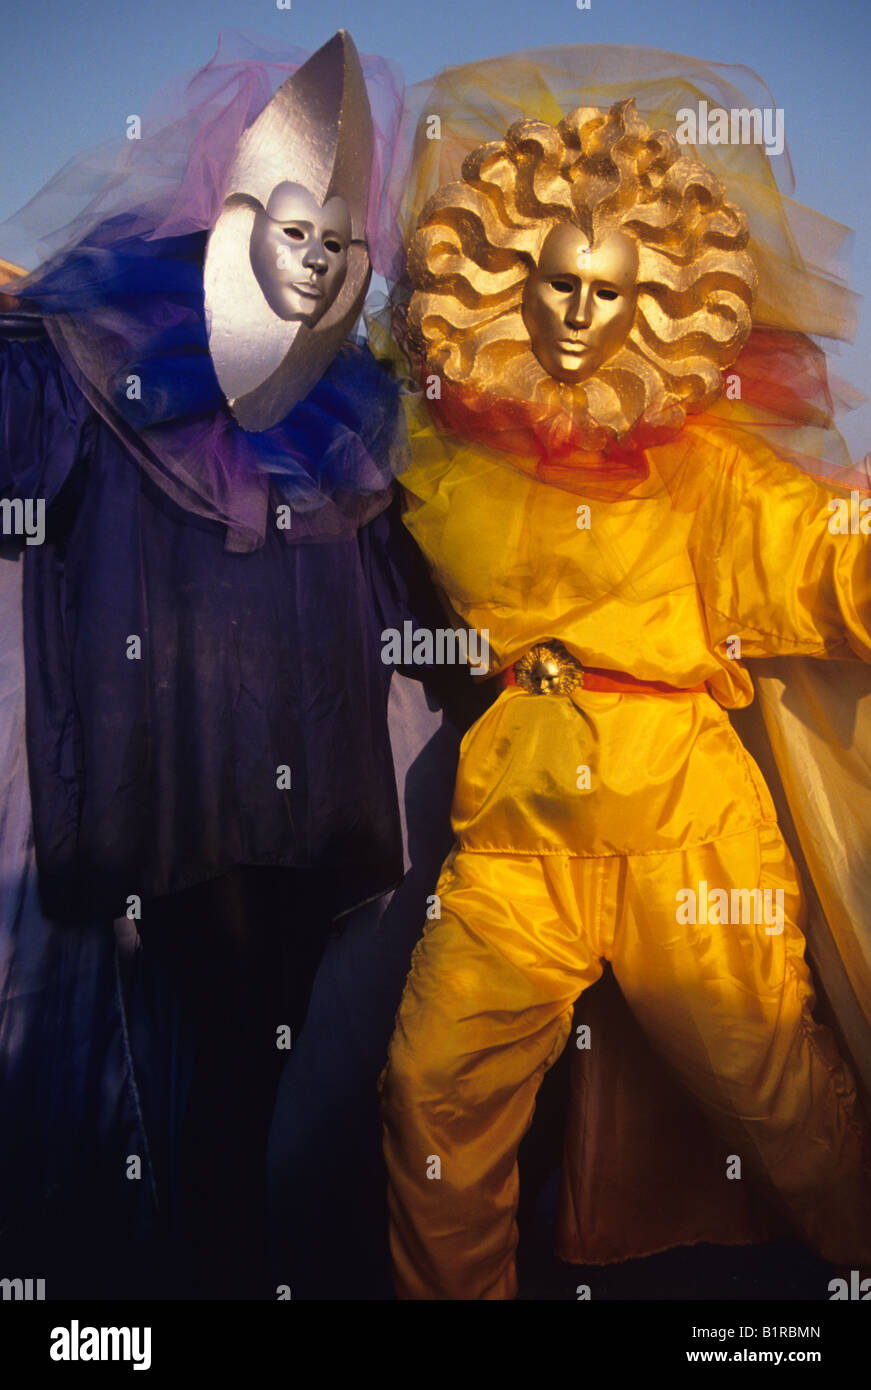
(171, 178)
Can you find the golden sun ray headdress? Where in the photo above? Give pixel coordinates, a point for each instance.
(477, 240)
(799, 255)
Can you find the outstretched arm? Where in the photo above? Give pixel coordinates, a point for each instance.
(784, 559)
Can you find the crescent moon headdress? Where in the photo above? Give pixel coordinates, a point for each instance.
(316, 132)
(150, 296)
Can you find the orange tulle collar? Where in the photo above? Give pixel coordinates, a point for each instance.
(780, 374)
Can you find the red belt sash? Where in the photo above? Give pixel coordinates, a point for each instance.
(594, 678)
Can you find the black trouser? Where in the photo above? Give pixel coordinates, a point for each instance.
(229, 963)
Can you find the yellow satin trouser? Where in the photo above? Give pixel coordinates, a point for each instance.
(487, 1008)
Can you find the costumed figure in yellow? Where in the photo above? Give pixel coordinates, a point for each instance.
(589, 498)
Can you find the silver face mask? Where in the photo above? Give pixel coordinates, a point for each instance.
(299, 252)
(287, 266)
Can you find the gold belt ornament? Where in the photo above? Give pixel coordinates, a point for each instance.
(548, 669)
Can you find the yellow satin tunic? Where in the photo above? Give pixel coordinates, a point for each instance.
(722, 541)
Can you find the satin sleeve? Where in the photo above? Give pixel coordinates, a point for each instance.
(782, 560)
(44, 420)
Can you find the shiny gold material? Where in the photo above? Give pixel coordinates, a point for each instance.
(478, 241)
(9, 271)
(548, 669)
(579, 301)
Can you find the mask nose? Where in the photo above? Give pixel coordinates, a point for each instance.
(315, 259)
(580, 309)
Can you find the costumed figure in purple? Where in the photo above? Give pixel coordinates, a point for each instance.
(191, 632)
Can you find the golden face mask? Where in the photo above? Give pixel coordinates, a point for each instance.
(579, 301)
(591, 267)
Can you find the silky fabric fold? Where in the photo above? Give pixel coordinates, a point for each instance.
(581, 819)
(488, 1008)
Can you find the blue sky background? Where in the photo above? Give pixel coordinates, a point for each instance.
(73, 72)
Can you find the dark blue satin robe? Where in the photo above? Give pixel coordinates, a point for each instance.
(151, 775)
